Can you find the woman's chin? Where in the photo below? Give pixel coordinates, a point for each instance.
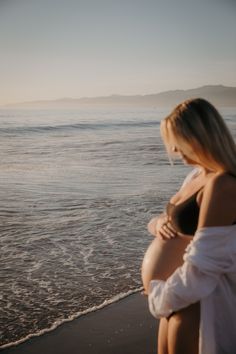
(188, 161)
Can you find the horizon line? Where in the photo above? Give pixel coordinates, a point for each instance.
(111, 95)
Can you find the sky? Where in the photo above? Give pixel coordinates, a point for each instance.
(52, 49)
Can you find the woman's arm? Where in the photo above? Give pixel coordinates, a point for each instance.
(218, 206)
(201, 271)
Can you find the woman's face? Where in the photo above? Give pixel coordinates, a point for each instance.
(187, 160)
(181, 149)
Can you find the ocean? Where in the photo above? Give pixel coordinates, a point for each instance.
(77, 189)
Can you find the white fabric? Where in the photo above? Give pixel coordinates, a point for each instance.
(208, 275)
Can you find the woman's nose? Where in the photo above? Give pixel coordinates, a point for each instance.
(174, 149)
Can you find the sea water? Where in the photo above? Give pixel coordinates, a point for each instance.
(77, 188)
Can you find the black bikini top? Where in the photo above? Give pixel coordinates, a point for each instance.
(184, 216)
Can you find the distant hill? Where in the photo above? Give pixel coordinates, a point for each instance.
(216, 94)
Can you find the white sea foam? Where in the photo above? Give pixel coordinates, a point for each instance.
(73, 317)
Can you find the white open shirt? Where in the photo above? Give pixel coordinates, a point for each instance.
(208, 275)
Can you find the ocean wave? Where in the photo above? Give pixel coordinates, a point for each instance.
(78, 126)
(78, 314)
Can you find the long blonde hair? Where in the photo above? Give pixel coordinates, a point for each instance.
(199, 125)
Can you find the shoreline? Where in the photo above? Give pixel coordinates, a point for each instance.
(73, 317)
(124, 326)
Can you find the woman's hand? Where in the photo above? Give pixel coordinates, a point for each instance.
(160, 226)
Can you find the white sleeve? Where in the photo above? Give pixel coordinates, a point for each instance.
(206, 258)
(186, 286)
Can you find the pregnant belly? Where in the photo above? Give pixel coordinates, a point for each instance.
(162, 258)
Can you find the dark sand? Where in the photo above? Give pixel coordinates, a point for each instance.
(125, 327)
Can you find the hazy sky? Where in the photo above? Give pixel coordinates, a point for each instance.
(76, 48)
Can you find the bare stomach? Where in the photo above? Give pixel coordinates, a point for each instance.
(162, 258)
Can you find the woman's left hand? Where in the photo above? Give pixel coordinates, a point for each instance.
(161, 226)
(156, 223)
(166, 231)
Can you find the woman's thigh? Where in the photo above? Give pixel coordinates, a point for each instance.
(183, 331)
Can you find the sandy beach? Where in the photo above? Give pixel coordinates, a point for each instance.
(123, 327)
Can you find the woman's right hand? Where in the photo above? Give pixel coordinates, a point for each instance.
(160, 226)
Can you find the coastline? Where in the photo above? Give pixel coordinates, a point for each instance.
(124, 327)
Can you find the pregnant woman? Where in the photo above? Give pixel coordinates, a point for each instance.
(189, 270)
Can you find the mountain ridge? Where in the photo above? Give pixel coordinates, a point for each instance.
(219, 95)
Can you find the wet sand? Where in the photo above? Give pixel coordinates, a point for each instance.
(124, 327)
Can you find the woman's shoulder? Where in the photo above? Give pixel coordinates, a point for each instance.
(218, 205)
(222, 182)
(220, 190)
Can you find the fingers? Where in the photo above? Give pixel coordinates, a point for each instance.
(171, 228)
(167, 231)
(162, 227)
(161, 220)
